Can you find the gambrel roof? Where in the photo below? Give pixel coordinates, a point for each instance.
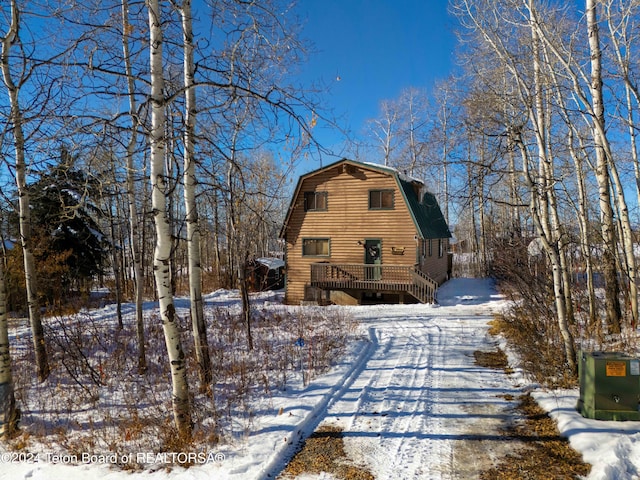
(425, 212)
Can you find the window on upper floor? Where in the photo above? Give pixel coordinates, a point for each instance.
(380, 199)
(315, 201)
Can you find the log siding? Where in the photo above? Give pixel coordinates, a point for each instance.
(348, 222)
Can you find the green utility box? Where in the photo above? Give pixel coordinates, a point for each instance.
(609, 386)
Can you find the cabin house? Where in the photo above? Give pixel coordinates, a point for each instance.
(359, 232)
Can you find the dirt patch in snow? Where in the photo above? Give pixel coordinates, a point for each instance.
(528, 444)
(542, 454)
(324, 452)
(496, 359)
(485, 443)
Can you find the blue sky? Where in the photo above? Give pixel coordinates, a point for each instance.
(370, 50)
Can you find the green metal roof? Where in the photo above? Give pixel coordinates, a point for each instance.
(426, 214)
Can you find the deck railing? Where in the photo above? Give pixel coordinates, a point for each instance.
(391, 278)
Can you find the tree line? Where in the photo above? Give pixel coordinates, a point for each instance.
(158, 133)
(532, 148)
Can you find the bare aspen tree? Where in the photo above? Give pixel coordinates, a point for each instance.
(11, 41)
(385, 129)
(401, 131)
(441, 131)
(514, 201)
(238, 243)
(551, 234)
(577, 152)
(414, 113)
(241, 248)
(115, 257)
(622, 47)
(620, 19)
(162, 254)
(478, 16)
(131, 188)
(602, 171)
(482, 199)
(626, 234)
(193, 229)
(593, 102)
(547, 164)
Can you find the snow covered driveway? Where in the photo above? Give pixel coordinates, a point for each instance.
(419, 407)
(413, 404)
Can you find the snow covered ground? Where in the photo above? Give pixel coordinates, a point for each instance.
(409, 398)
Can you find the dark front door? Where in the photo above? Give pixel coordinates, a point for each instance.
(373, 256)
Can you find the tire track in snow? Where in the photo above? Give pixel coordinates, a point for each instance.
(416, 449)
(392, 403)
(312, 420)
(418, 407)
(420, 402)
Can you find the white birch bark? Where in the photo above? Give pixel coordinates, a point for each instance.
(622, 36)
(583, 222)
(193, 230)
(443, 120)
(131, 190)
(580, 206)
(551, 228)
(602, 172)
(627, 238)
(622, 52)
(162, 253)
(412, 119)
(542, 206)
(385, 129)
(12, 37)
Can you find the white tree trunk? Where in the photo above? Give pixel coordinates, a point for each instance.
(583, 222)
(42, 363)
(131, 190)
(386, 126)
(193, 230)
(547, 220)
(612, 288)
(627, 240)
(621, 40)
(162, 253)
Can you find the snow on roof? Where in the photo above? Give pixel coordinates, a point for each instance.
(271, 263)
(402, 175)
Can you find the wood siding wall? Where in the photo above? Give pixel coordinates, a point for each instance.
(348, 220)
(436, 266)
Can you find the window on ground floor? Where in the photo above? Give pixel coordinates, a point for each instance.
(315, 247)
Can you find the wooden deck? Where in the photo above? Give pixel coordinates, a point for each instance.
(374, 278)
